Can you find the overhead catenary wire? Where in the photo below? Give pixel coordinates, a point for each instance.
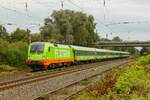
(62, 4)
(75, 5)
(25, 4)
(18, 12)
(26, 7)
(94, 16)
(14, 24)
(44, 4)
(127, 22)
(104, 25)
(104, 4)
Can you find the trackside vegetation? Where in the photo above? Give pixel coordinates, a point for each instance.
(6, 69)
(64, 27)
(13, 54)
(128, 83)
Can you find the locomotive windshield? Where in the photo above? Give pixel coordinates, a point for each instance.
(37, 48)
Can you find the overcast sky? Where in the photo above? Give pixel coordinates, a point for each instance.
(137, 12)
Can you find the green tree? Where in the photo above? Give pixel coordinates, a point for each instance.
(13, 54)
(36, 37)
(20, 35)
(117, 39)
(144, 50)
(3, 32)
(69, 27)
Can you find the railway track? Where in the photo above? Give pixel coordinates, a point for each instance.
(60, 95)
(32, 75)
(94, 80)
(13, 83)
(35, 81)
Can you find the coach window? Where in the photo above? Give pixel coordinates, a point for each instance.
(104, 54)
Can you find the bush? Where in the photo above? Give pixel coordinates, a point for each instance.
(145, 60)
(92, 96)
(13, 54)
(132, 80)
(129, 83)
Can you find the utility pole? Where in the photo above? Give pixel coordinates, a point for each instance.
(26, 6)
(62, 4)
(106, 36)
(28, 31)
(104, 3)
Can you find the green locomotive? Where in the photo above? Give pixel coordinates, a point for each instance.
(45, 54)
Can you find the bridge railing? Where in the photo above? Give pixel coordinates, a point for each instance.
(123, 44)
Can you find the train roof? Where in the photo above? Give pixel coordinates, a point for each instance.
(95, 49)
(80, 47)
(83, 48)
(53, 45)
(113, 51)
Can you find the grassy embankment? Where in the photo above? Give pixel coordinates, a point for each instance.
(129, 83)
(6, 69)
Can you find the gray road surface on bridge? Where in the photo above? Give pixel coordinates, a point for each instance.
(123, 44)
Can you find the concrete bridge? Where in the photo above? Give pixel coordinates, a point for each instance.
(123, 44)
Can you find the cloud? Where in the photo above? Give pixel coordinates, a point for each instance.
(114, 11)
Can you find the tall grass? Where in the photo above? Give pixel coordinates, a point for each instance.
(129, 83)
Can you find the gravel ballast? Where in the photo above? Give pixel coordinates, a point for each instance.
(37, 89)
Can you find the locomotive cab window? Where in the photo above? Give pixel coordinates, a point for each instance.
(37, 48)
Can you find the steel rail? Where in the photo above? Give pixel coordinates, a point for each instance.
(48, 73)
(86, 87)
(11, 84)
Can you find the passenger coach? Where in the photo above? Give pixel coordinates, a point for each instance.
(46, 55)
